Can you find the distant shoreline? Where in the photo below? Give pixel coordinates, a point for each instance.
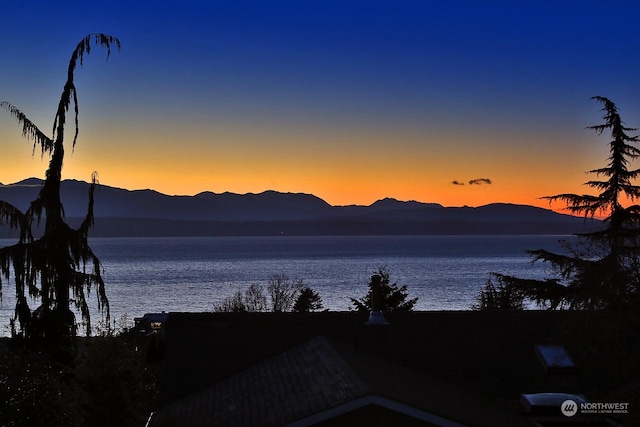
(149, 227)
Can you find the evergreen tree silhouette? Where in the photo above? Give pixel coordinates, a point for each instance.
(59, 268)
(392, 296)
(600, 269)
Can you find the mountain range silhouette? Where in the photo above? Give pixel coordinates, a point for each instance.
(121, 212)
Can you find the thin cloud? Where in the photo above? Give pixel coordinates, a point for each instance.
(456, 182)
(480, 181)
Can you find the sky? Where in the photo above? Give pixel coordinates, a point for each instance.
(456, 102)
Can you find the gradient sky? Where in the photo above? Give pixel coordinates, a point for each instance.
(351, 101)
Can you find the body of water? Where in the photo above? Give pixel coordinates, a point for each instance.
(192, 274)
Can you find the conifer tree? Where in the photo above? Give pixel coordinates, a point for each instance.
(58, 268)
(308, 300)
(392, 296)
(600, 269)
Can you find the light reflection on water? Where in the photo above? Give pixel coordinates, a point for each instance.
(191, 274)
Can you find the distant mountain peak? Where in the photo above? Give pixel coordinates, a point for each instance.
(29, 182)
(392, 203)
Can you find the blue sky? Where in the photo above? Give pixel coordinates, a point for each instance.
(351, 100)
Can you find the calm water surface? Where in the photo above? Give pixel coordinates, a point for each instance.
(191, 274)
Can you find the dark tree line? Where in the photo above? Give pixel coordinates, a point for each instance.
(284, 295)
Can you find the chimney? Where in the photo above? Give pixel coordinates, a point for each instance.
(376, 317)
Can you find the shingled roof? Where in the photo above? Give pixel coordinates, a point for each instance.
(304, 380)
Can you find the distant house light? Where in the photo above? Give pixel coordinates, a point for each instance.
(156, 325)
(555, 358)
(151, 322)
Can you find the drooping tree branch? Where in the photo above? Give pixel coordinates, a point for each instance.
(69, 92)
(29, 130)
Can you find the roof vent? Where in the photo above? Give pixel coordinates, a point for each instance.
(555, 359)
(547, 404)
(376, 317)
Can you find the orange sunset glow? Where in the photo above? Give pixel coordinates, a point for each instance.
(346, 112)
(342, 167)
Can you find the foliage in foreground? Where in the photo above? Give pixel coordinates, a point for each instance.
(392, 296)
(108, 385)
(59, 268)
(600, 269)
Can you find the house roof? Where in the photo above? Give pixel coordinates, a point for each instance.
(305, 380)
(274, 369)
(313, 382)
